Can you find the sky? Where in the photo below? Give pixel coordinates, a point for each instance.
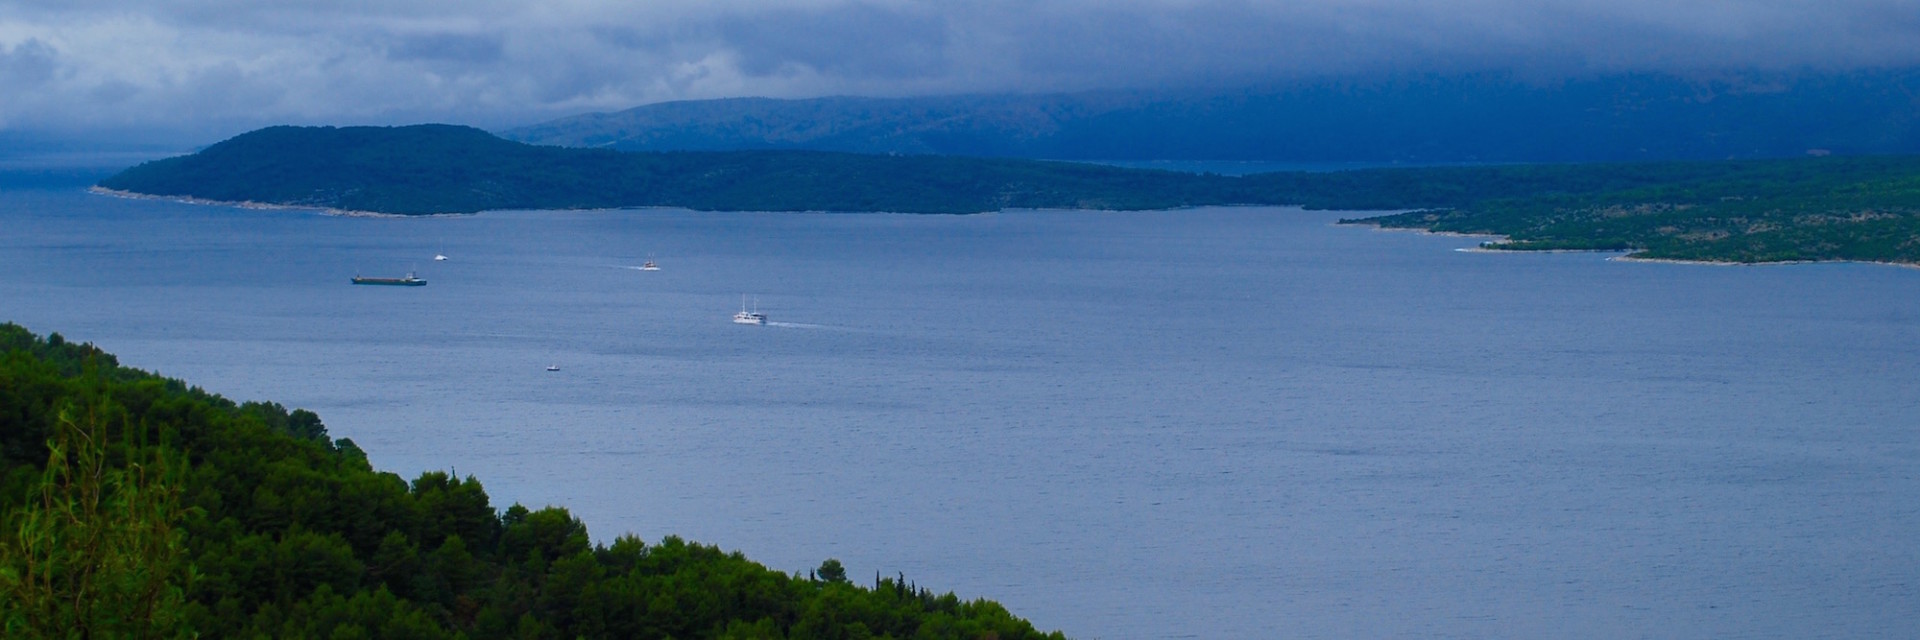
(218, 67)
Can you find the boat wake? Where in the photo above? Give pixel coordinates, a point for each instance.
(799, 325)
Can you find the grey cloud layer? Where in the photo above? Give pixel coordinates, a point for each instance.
(230, 63)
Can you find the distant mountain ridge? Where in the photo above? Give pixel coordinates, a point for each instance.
(1479, 118)
(948, 125)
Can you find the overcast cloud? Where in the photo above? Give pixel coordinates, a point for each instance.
(228, 65)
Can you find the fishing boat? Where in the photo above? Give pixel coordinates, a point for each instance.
(749, 317)
(649, 266)
(409, 281)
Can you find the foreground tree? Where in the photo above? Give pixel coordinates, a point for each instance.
(96, 553)
(275, 531)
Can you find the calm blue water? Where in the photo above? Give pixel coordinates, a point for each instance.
(1219, 423)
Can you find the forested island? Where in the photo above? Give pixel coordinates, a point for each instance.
(427, 169)
(139, 506)
(1813, 208)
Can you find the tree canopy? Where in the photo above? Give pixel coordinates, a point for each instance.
(168, 511)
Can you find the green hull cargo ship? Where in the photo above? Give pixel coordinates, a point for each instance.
(408, 281)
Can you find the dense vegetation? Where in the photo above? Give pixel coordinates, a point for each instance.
(137, 506)
(446, 169)
(1859, 208)
(1852, 208)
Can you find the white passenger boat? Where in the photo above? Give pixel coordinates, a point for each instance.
(749, 317)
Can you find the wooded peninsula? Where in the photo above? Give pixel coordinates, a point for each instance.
(137, 506)
(1863, 208)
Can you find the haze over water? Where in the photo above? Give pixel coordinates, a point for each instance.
(1216, 423)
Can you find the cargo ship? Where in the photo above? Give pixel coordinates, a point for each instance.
(409, 281)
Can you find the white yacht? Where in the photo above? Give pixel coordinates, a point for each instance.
(749, 317)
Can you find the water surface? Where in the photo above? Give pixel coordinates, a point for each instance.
(1213, 423)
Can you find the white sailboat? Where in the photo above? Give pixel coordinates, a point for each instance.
(749, 317)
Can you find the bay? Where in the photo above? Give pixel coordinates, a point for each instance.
(1211, 423)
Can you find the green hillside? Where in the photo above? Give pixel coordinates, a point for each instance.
(140, 507)
(1814, 208)
(1862, 208)
(446, 169)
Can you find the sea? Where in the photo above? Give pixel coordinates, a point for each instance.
(1243, 422)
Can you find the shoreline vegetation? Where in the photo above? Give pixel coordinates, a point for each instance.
(1490, 246)
(1786, 211)
(140, 506)
(1855, 208)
